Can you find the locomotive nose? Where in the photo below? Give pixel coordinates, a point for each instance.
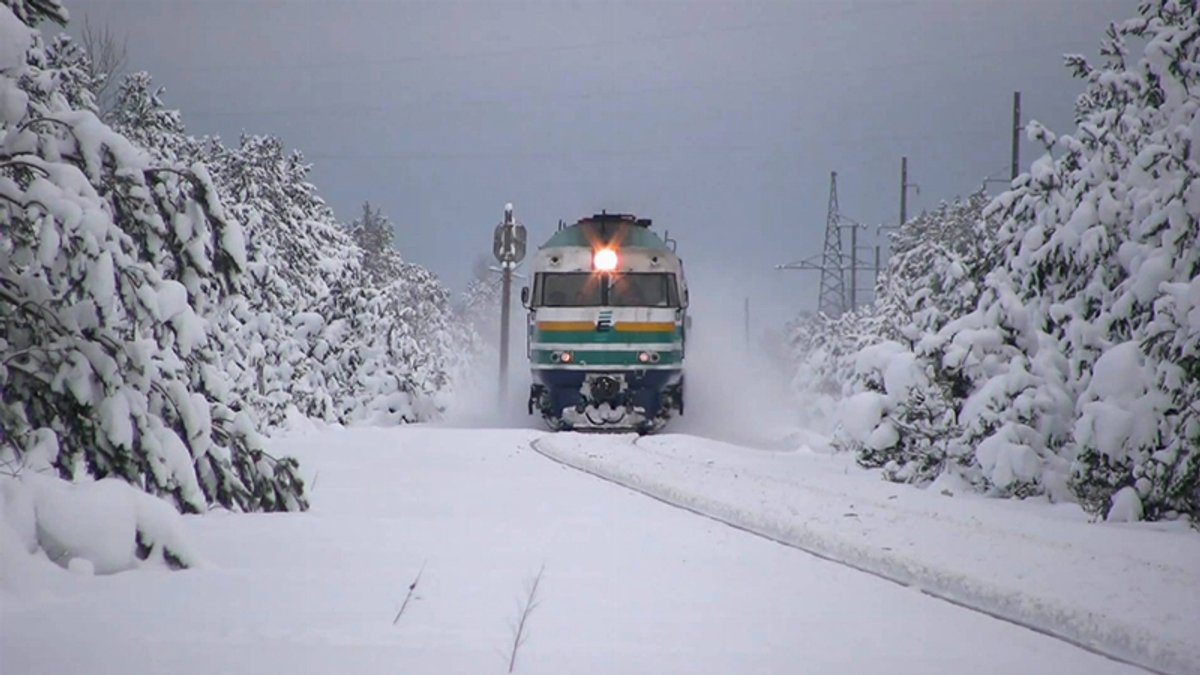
(605, 388)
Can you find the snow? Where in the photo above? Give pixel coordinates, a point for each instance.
(859, 414)
(101, 282)
(1126, 506)
(115, 419)
(13, 101)
(1073, 358)
(1118, 371)
(1004, 459)
(101, 524)
(1119, 403)
(1040, 564)
(630, 584)
(172, 300)
(884, 436)
(15, 40)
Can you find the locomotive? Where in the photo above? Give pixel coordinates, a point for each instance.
(607, 326)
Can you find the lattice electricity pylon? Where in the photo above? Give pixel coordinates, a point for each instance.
(832, 299)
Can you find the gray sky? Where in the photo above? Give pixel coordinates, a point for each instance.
(719, 120)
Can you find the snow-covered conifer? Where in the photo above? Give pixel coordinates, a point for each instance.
(33, 12)
(110, 263)
(479, 304)
(319, 333)
(140, 114)
(374, 234)
(1122, 262)
(1065, 355)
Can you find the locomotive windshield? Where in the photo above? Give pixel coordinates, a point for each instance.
(642, 290)
(569, 290)
(583, 289)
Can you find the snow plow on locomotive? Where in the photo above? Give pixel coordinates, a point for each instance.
(607, 324)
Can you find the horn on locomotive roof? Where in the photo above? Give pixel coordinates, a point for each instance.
(605, 218)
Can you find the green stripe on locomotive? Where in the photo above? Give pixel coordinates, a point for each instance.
(608, 337)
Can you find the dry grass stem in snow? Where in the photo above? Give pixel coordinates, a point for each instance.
(411, 589)
(531, 603)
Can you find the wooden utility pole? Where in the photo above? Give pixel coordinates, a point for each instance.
(853, 267)
(1016, 134)
(747, 317)
(904, 185)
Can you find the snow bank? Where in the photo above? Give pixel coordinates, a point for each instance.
(859, 415)
(1128, 592)
(100, 527)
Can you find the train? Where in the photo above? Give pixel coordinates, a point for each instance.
(607, 326)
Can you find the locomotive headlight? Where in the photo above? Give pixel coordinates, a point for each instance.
(605, 260)
(648, 357)
(565, 357)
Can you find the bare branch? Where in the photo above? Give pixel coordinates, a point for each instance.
(108, 55)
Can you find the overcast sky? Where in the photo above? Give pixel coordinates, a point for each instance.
(719, 120)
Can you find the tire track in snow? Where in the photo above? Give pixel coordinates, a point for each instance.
(908, 575)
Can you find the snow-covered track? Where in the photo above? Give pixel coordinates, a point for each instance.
(1035, 614)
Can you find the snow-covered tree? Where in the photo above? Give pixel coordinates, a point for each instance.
(70, 65)
(416, 348)
(110, 264)
(1059, 351)
(320, 332)
(140, 114)
(374, 234)
(936, 267)
(302, 265)
(1100, 256)
(162, 296)
(902, 401)
(33, 12)
(823, 349)
(1113, 234)
(479, 304)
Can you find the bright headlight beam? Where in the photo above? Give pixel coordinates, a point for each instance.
(605, 260)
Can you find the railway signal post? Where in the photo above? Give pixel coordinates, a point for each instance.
(508, 245)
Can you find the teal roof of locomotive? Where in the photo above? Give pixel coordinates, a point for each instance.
(631, 233)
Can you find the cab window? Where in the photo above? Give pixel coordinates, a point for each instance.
(643, 290)
(568, 289)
